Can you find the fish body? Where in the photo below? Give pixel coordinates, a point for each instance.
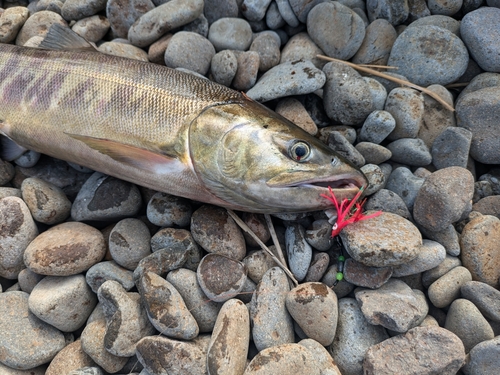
(167, 130)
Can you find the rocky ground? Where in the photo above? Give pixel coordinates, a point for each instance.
(93, 268)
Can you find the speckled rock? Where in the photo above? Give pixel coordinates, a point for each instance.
(368, 243)
(122, 48)
(257, 264)
(228, 348)
(450, 262)
(65, 249)
(405, 184)
(287, 79)
(248, 68)
(387, 201)
(63, 302)
(11, 21)
(173, 240)
(396, 12)
(373, 153)
(465, 320)
(347, 97)
(368, 277)
(129, 242)
(314, 307)
(16, 232)
(318, 235)
(440, 20)
(410, 151)
(223, 67)
(451, 148)
(298, 250)
(215, 9)
(446, 289)
(254, 10)
(71, 357)
(336, 29)
(430, 255)
(485, 297)
(429, 350)
(220, 277)
(92, 28)
(271, 323)
(301, 47)
(38, 24)
(341, 145)
(323, 359)
(318, 267)
(484, 358)
(443, 198)
(480, 251)
(231, 34)
(77, 9)
(257, 223)
(268, 49)
(197, 58)
(26, 341)
(162, 19)
(406, 106)
(161, 262)
(123, 13)
(375, 176)
(166, 210)
(377, 126)
(101, 272)
(7, 173)
(28, 279)
(429, 55)
(377, 43)
(28, 159)
(93, 201)
(488, 206)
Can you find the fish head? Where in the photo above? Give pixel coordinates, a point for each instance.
(258, 161)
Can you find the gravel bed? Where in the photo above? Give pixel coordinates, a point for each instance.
(98, 275)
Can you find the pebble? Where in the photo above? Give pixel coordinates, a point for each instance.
(92, 28)
(406, 106)
(336, 29)
(95, 201)
(477, 112)
(429, 55)
(274, 20)
(387, 201)
(341, 145)
(220, 277)
(301, 47)
(451, 148)
(216, 9)
(230, 34)
(367, 241)
(257, 263)
(198, 26)
(430, 255)
(480, 250)
(216, 232)
(7, 173)
(122, 48)
(368, 277)
(293, 110)
(313, 306)
(394, 305)
(161, 262)
(203, 310)
(248, 68)
(101, 272)
(377, 126)
(38, 24)
(28, 159)
(287, 79)
(257, 223)
(377, 43)
(283, 359)
(63, 302)
(11, 21)
(488, 206)
(322, 357)
(465, 320)
(166, 17)
(178, 240)
(126, 319)
(228, 348)
(26, 341)
(129, 242)
(354, 337)
(70, 358)
(318, 267)
(268, 49)
(446, 22)
(318, 235)
(447, 8)
(449, 262)
(298, 250)
(376, 178)
(405, 184)
(16, 232)
(160, 355)
(484, 358)
(422, 350)
(122, 14)
(156, 51)
(480, 32)
(347, 97)
(271, 323)
(393, 11)
(223, 67)
(166, 308)
(48, 203)
(28, 279)
(446, 289)
(378, 92)
(167, 210)
(197, 58)
(254, 10)
(77, 9)
(373, 153)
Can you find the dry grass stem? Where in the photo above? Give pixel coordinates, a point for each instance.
(393, 79)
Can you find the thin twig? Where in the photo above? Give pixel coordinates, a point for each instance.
(245, 227)
(270, 225)
(456, 85)
(387, 67)
(393, 79)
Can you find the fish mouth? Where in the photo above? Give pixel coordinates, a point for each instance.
(336, 183)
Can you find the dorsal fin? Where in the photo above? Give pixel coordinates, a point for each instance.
(62, 37)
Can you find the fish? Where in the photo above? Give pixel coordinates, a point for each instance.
(163, 129)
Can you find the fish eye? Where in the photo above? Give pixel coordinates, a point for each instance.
(299, 151)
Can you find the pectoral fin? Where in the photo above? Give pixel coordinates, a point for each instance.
(133, 156)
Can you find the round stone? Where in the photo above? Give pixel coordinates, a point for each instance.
(196, 58)
(129, 242)
(231, 34)
(122, 14)
(446, 289)
(167, 210)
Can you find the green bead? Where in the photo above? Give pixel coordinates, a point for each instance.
(340, 276)
(341, 258)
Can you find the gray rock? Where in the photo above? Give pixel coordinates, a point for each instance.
(429, 55)
(446, 289)
(274, 20)
(422, 350)
(373, 153)
(65, 249)
(16, 232)
(299, 252)
(257, 263)
(269, 51)
(255, 10)
(28, 279)
(94, 202)
(451, 148)
(216, 9)
(484, 358)
(410, 151)
(418, 9)
(173, 240)
(368, 277)
(223, 67)
(378, 92)
(101, 272)
(375, 176)
(353, 338)
(77, 9)
(271, 323)
(63, 302)
(443, 198)
(405, 184)
(296, 78)
(93, 28)
(167, 210)
(122, 48)
(406, 106)
(123, 13)
(447, 8)
(257, 224)
(347, 97)
(126, 319)
(70, 358)
(324, 360)
(367, 242)
(7, 173)
(230, 33)
(161, 262)
(162, 19)
(248, 68)
(28, 159)
(204, 311)
(480, 31)
(38, 24)
(220, 277)
(198, 26)
(465, 320)
(129, 242)
(431, 254)
(395, 12)
(338, 143)
(318, 235)
(23, 332)
(485, 297)
(480, 81)
(166, 308)
(11, 21)
(228, 348)
(387, 201)
(318, 267)
(439, 20)
(197, 58)
(301, 47)
(450, 262)
(394, 306)
(377, 126)
(377, 44)
(336, 29)
(342, 288)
